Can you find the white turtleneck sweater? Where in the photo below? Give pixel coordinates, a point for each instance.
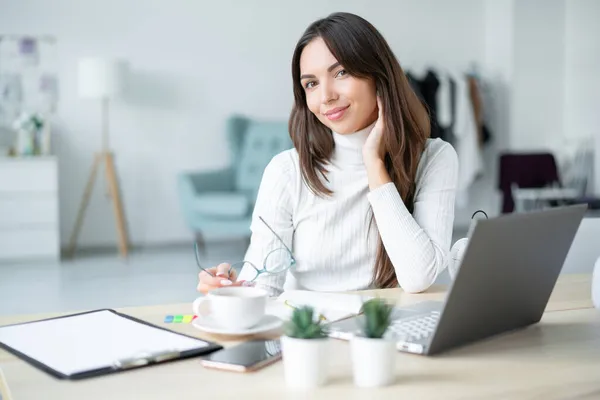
(329, 236)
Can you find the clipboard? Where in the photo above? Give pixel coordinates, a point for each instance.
(4, 390)
(96, 343)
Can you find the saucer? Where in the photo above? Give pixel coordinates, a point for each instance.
(207, 324)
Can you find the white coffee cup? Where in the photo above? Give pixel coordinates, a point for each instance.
(236, 307)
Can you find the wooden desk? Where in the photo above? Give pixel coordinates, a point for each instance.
(555, 359)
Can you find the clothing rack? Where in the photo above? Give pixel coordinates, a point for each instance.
(458, 106)
(427, 89)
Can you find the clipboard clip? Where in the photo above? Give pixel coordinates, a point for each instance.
(145, 358)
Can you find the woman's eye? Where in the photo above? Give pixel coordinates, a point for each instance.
(309, 85)
(341, 72)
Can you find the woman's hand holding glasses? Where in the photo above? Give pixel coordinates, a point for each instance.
(276, 261)
(219, 276)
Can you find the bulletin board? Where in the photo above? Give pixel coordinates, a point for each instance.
(28, 76)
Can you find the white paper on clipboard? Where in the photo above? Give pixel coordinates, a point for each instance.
(90, 341)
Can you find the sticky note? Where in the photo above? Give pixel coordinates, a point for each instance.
(187, 319)
(178, 319)
(168, 319)
(195, 316)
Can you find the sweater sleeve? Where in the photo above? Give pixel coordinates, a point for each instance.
(418, 245)
(273, 204)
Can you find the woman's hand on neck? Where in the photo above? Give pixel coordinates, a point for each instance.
(374, 153)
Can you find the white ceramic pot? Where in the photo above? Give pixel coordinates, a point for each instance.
(304, 362)
(373, 361)
(596, 284)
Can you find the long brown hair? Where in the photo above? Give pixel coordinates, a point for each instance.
(364, 53)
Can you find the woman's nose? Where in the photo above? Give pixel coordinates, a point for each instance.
(328, 93)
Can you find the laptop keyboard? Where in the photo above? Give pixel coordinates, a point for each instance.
(414, 328)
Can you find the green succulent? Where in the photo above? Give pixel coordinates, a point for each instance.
(376, 318)
(303, 325)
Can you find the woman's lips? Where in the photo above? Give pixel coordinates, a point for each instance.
(336, 113)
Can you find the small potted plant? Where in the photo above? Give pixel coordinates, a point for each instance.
(373, 355)
(304, 350)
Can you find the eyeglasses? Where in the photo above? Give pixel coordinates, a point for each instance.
(276, 261)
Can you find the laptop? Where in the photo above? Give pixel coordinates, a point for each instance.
(508, 271)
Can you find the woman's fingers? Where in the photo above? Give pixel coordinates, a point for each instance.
(233, 275)
(215, 281)
(204, 288)
(224, 270)
(216, 277)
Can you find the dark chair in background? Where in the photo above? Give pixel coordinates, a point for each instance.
(534, 178)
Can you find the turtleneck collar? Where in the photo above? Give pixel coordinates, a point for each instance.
(348, 147)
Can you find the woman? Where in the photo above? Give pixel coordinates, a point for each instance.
(365, 199)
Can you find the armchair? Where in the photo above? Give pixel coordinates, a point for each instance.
(220, 203)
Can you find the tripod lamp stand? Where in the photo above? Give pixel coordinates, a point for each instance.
(102, 79)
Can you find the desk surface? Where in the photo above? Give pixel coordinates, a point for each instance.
(556, 358)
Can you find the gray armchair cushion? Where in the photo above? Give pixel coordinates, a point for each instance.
(262, 141)
(222, 204)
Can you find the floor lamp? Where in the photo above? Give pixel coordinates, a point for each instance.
(101, 79)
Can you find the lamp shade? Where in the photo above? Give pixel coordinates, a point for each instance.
(100, 78)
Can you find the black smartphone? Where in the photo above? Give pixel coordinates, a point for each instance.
(246, 357)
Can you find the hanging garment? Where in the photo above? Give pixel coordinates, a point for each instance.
(477, 99)
(466, 141)
(426, 89)
(476, 102)
(446, 106)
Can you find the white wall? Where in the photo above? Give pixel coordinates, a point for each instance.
(499, 64)
(193, 64)
(582, 83)
(555, 84)
(582, 80)
(538, 89)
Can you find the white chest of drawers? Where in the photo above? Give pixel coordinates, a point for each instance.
(29, 216)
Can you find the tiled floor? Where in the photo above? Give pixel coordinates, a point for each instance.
(152, 276)
(159, 276)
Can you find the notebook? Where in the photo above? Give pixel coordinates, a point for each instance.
(331, 306)
(97, 343)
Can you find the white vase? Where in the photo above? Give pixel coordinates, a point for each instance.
(373, 361)
(24, 143)
(46, 138)
(304, 362)
(596, 284)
